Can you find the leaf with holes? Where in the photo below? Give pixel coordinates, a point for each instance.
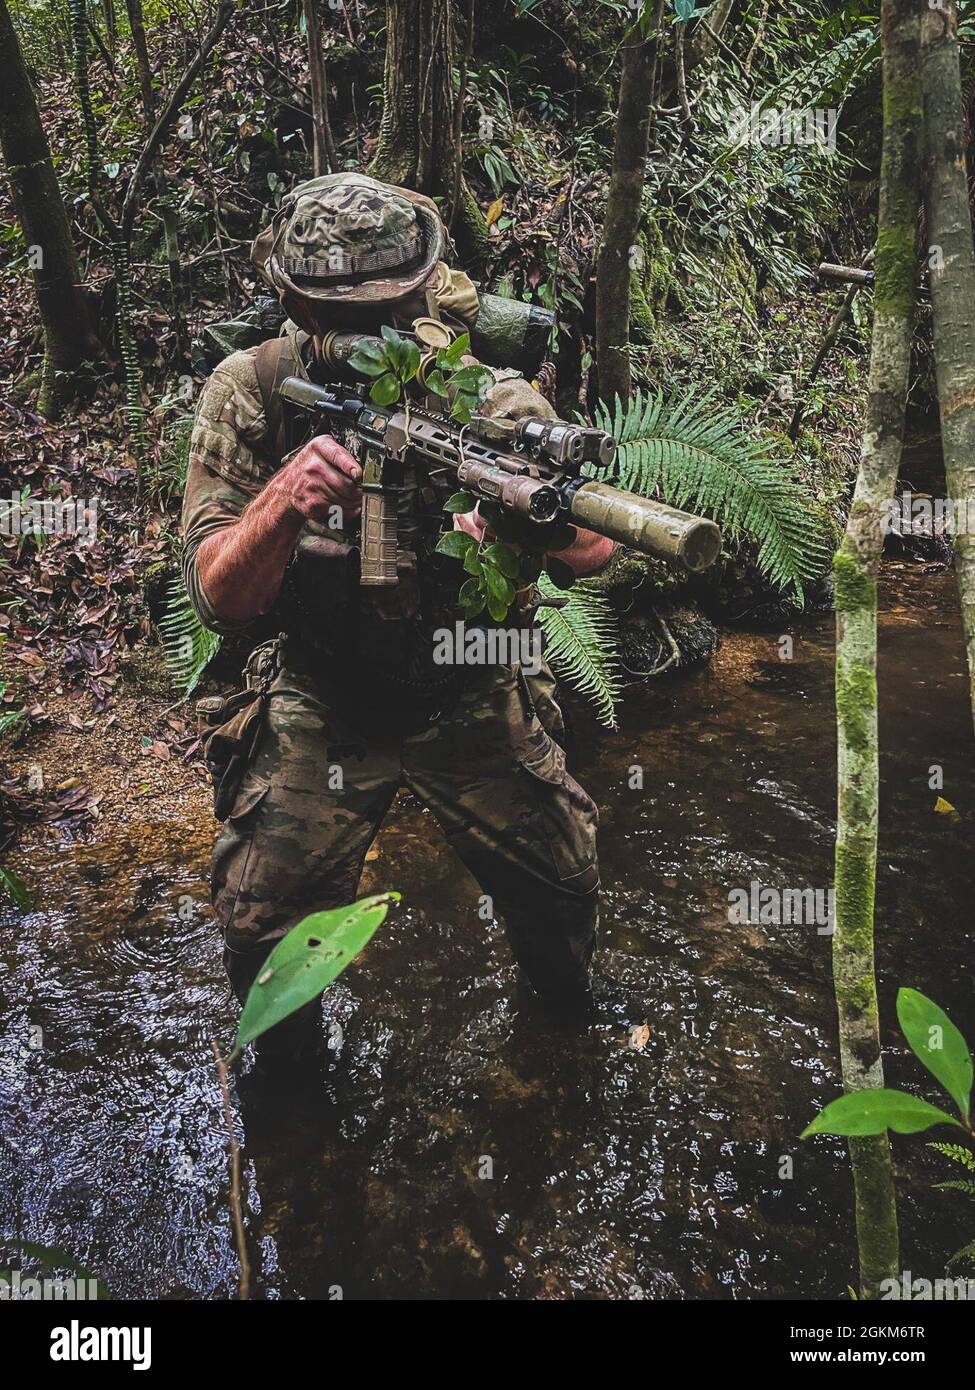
(307, 960)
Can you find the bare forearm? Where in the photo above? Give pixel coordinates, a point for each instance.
(588, 553)
(241, 567)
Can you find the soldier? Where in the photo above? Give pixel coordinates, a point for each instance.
(351, 683)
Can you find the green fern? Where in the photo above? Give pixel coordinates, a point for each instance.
(957, 1153)
(695, 455)
(188, 646)
(966, 1254)
(581, 642)
(965, 1158)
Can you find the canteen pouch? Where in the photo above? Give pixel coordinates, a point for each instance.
(230, 728)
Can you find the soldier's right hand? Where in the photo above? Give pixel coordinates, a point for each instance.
(321, 477)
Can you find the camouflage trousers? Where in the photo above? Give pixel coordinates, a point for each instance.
(496, 781)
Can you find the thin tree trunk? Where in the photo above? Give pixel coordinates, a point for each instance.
(416, 145)
(323, 151)
(622, 217)
(855, 566)
(951, 261)
(137, 29)
(111, 27)
(69, 339)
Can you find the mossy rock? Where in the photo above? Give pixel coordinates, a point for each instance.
(645, 646)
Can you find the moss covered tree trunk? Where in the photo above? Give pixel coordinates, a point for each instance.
(856, 566)
(951, 262)
(622, 217)
(416, 144)
(69, 340)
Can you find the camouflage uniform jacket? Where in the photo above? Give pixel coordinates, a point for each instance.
(352, 638)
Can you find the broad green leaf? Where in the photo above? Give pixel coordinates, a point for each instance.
(501, 590)
(450, 356)
(472, 380)
(456, 544)
(411, 360)
(503, 557)
(385, 390)
(435, 382)
(938, 1044)
(460, 502)
(470, 592)
(307, 960)
(873, 1111)
(472, 561)
(368, 366)
(497, 608)
(15, 888)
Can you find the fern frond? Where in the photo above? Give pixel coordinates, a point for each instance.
(957, 1185)
(956, 1152)
(581, 642)
(966, 1253)
(188, 646)
(696, 455)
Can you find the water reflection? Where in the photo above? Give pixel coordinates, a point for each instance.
(455, 1144)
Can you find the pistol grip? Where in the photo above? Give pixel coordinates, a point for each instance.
(378, 537)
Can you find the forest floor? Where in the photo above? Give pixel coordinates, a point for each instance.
(101, 729)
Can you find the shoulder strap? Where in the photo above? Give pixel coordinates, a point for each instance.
(274, 360)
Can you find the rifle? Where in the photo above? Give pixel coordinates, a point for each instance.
(532, 468)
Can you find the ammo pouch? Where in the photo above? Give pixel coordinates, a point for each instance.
(230, 728)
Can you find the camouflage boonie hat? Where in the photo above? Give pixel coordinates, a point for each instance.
(347, 238)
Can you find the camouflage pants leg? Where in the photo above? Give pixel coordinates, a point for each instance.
(497, 783)
(312, 802)
(301, 824)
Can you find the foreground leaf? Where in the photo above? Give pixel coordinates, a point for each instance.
(15, 888)
(307, 960)
(53, 1258)
(937, 1043)
(871, 1112)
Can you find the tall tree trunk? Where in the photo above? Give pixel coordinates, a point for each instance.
(416, 146)
(951, 262)
(622, 217)
(111, 26)
(137, 29)
(855, 566)
(323, 149)
(68, 335)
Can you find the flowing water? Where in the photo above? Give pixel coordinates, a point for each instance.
(455, 1145)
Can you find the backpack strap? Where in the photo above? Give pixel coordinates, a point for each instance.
(274, 360)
